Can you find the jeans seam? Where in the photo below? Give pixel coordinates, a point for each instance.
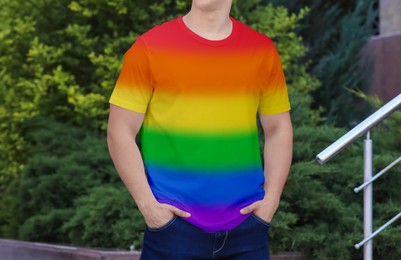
(224, 242)
(261, 220)
(164, 226)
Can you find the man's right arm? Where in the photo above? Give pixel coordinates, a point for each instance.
(123, 126)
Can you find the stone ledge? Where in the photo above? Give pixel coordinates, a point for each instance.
(22, 250)
(288, 256)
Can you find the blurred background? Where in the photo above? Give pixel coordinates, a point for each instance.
(59, 61)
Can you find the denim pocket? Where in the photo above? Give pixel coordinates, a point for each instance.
(262, 221)
(168, 224)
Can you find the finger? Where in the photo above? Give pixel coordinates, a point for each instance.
(248, 209)
(179, 212)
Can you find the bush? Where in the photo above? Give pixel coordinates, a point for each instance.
(56, 78)
(106, 218)
(335, 33)
(70, 192)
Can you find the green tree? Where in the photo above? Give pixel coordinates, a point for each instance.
(70, 192)
(335, 33)
(106, 218)
(60, 60)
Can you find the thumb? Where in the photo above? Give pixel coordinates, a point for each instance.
(179, 212)
(248, 209)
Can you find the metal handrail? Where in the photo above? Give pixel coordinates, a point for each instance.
(359, 130)
(388, 167)
(357, 246)
(347, 139)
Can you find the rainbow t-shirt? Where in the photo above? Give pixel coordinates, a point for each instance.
(199, 137)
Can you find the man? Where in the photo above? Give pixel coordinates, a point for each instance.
(195, 84)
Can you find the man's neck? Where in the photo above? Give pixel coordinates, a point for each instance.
(212, 24)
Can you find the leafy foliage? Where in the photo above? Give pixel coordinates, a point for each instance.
(59, 62)
(335, 33)
(106, 218)
(61, 59)
(70, 192)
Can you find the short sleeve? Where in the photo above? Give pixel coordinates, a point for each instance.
(274, 94)
(133, 89)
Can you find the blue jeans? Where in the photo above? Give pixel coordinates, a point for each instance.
(180, 240)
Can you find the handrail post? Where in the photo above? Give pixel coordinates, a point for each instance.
(347, 139)
(368, 197)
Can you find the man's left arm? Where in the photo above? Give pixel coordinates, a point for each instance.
(277, 161)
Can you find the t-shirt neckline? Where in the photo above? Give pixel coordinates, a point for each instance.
(203, 40)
